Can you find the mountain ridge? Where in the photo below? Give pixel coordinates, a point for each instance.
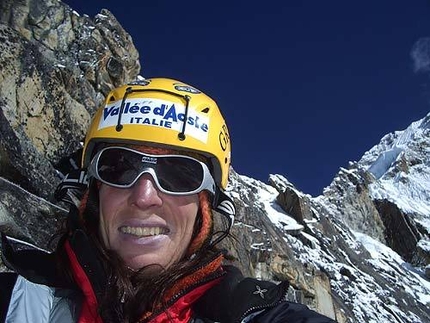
(358, 215)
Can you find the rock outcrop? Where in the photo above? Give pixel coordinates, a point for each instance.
(56, 68)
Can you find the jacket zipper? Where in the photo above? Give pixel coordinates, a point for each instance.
(256, 308)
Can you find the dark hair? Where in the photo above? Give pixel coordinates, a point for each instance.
(132, 295)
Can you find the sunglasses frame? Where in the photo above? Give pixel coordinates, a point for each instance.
(207, 183)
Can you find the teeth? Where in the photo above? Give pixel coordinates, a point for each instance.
(143, 231)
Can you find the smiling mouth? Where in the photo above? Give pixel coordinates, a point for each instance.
(143, 231)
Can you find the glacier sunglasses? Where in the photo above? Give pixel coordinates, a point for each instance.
(122, 167)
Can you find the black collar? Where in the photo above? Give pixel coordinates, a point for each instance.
(236, 297)
(37, 265)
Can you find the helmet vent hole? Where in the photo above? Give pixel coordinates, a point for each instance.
(112, 98)
(205, 110)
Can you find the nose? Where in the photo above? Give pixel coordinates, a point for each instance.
(144, 193)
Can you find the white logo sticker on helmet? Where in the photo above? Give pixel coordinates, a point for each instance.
(156, 113)
(140, 82)
(186, 88)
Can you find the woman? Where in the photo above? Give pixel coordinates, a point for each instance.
(141, 244)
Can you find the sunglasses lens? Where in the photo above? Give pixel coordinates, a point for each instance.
(174, 174)
(119, 166)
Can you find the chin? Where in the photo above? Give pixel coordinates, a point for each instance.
(137, 264)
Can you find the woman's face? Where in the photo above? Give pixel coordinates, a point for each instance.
(145, 226)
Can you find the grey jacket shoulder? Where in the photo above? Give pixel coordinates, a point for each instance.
(39, 303)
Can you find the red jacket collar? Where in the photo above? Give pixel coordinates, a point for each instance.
(181, 311)
(89, 307)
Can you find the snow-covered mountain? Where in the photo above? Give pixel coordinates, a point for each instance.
(401, 167)
(367, 235)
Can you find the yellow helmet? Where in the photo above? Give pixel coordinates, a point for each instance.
(166, 113)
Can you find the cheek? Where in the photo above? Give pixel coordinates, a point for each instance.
(109, 202)
(192, 211)
(109, 197)
(188, 212)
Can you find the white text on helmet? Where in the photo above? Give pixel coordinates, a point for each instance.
(157, 113)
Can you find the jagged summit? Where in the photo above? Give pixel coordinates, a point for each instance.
(367, 235)
(400, 164)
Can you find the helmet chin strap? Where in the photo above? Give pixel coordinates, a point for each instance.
(223, 205)
(119, 126)
(181, 135)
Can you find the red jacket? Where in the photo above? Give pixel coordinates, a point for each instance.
(212, 294)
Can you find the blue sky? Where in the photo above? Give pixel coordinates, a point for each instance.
(305, 86)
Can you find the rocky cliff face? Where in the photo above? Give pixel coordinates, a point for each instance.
(357, 253)
(56, 68)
